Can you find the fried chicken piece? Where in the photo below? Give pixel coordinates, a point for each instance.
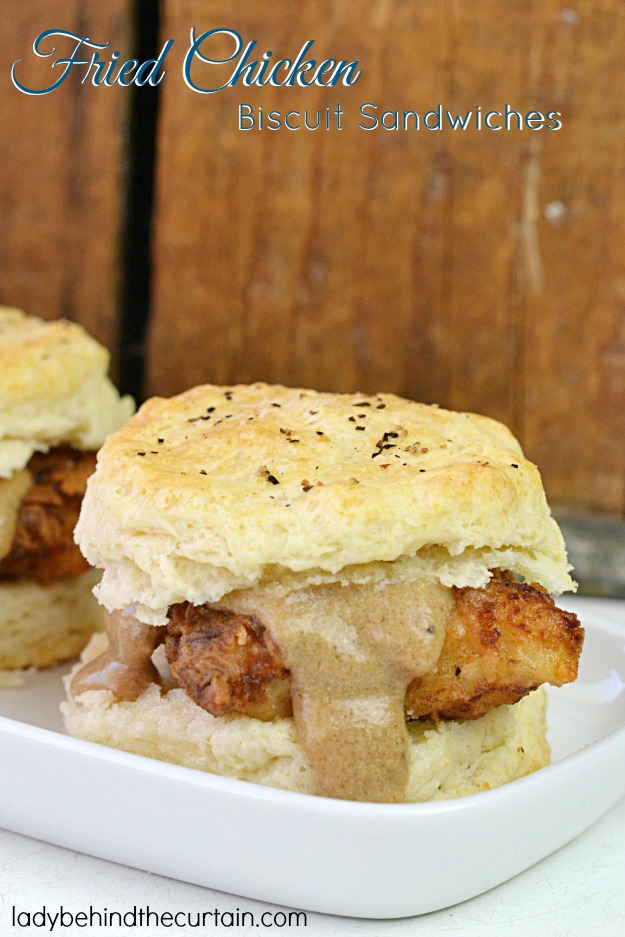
(227, 662)
(502, 641)
(43, 546)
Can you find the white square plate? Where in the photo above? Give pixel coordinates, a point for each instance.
(363, 860)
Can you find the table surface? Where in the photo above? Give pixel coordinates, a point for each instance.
(578, 891)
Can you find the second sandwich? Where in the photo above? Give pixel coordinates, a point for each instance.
(56, 407)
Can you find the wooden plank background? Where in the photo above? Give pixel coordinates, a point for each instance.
(481, 270)
(63, 172)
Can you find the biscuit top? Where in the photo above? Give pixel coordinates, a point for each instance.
(223, 487)
(53, 389)
(39, 358)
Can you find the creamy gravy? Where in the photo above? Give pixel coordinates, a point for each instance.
(125, 667)
(12, 490)
(352, 651)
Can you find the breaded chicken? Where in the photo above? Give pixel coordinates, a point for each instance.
(502, 641)
(43, 545)
(227, 662)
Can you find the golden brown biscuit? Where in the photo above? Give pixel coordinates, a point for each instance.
(221, 488)
(53, 389)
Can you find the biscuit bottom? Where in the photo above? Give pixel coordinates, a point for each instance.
(44, 624)
(451, 759)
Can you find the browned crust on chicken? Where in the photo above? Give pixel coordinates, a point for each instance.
(43, 546)
(502, 641)
(227, 662)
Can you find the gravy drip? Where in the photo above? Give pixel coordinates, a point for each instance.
(12, 490)
(352, 651)
(125, 667)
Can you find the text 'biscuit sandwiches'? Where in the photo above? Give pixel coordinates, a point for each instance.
(56, 407)
(345, 595)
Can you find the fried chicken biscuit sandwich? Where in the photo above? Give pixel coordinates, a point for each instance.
(56, 407)
(345, 595)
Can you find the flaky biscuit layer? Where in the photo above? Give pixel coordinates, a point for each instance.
(45, 623)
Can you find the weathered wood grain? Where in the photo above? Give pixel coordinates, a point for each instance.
(573, 395)
(533, 315)
(483, 270)
(62, 177)
(306, 257)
